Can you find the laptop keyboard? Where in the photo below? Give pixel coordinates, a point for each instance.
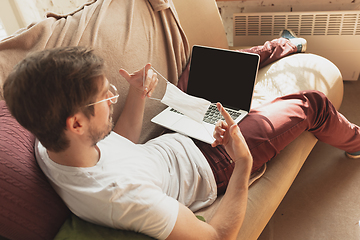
(213, 115)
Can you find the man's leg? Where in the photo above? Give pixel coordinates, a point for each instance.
(271, 127)
(272, 51)
(276, 49)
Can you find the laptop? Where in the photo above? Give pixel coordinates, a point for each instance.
(217, 75)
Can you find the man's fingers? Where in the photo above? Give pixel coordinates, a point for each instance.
(150, 82)
(141, 79)
(153, 84)
(147, 67)
(125, 74)
(149, 76)
(219, 132)
(225, 114)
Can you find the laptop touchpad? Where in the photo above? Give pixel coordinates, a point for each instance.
(200, 130)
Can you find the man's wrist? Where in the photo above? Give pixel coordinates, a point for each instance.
(245, 164)
(136, 92)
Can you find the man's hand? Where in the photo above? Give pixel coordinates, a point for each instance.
(142, 83)
(228, 134)
(229, 216)
(144, 80)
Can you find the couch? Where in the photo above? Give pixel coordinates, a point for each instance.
(30, 209)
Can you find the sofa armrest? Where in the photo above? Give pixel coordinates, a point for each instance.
(303, 71)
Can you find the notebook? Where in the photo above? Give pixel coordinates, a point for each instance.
(217, 75)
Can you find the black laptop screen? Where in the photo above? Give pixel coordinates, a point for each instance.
(223, 76)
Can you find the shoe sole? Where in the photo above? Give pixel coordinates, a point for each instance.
(352, 156)
(304, 46)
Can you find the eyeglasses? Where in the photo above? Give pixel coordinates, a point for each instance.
(113, 99)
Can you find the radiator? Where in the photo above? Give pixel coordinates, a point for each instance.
(334, 35)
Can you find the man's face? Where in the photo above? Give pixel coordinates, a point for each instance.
(101, 124)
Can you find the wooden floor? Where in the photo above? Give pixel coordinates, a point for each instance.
(324, 200)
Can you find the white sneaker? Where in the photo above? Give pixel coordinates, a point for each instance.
(300, 43)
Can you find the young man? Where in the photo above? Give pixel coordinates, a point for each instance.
(63, 97)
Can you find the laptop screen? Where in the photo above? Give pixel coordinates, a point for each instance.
(223, 76)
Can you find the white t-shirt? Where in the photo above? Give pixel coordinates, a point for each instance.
(135, 186)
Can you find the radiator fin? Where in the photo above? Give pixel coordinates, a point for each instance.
(304, 23)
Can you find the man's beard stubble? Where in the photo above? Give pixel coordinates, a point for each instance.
(98, 135)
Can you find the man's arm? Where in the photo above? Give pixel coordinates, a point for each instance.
(229, 217)
(130, 121)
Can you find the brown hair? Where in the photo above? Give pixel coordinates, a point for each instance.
(47, 87)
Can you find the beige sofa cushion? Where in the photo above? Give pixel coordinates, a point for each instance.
(297, 72)
(201, 22)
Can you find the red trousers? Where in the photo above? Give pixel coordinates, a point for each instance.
(271, 127)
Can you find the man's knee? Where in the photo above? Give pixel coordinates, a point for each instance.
(315, 97)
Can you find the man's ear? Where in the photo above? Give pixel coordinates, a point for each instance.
(76, 123)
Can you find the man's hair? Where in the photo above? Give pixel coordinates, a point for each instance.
(49, 86)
